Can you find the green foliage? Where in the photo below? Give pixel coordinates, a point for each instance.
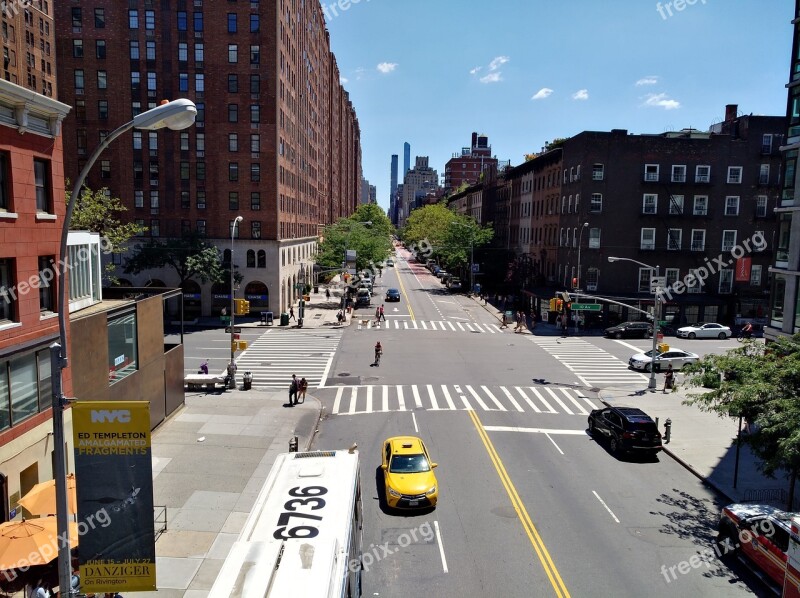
(556, 143)
(762, 385)
(190, 255)
(372, 243)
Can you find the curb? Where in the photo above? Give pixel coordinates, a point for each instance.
(313, 434)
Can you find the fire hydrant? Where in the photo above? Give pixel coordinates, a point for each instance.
(293, 444)
(667, 430)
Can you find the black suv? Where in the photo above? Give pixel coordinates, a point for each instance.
(631, 330)
(626, 428)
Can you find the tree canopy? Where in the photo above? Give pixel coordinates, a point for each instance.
(372, 243)
(760, 384)
(191, 255)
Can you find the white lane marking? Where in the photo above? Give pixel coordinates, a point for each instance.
(550, 438)
(369, 398)
(478, 326)
(560, 402)
(483, 405)
(531, 403)
(385, 401)
(471, 329)
(451, 317)
(415, 324)
(489, 328)
(602, 502)
(424, 325)
(447, 397)
(467, 406)
(488, 392)
(512, 399)
(414, 419)
(460, 325)
(624, 344)
(353, 394)
(400, 399)
(441, 547)
(543, 400)
(405, 325)
(451, 326)
(338, 402)
(432, 396)
(533, 430)
(417, 400)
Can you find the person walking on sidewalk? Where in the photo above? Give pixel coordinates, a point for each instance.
(327, 293)
(377, 314)
(382, 317)
(303, 387)
(291, 313)
(294, 388)
(669, 378)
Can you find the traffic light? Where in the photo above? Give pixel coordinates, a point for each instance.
(241, 307)
(553, 305)
(559, 305)
(575, 283)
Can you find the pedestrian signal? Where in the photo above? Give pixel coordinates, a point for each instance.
(241, 307)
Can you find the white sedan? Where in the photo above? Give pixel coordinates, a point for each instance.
(676, 357)
(705, 331)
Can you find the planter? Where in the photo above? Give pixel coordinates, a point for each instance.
(306, 297)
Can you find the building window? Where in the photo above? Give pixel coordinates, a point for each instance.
(650, 203)
(233, 83)
(255, 172)
(198, 21)
(766, 144)
(678, 174)
(77, 48)
(648, 239)
(761, 206)
(645, 274)
(183, 23)
(255, 200)
(732, 205)
(122, 343)
(199, 82)
(233, 200)
(233, 113)
(77, 19)
(150, 50)
(755, 275)
(155, 228)
(105, 169)
(102, 80)
(46, 274)
(154, 205)
(138, 198)
(99, 18)
(233, 53)
(598, 172)
(702, 174)
(184, 142)
(151, 82)
(133, 19)
(183, 82)
(233, 171)
(596, 203)
(728, 240)
(672, 275)
(254, 23)
(734, 175)
(725, 281)
(255, 143)
(255, 113)
(594, 238)
(136, 80)
(78, 76)
(200, 172)
(255, 230)
(102, 109)
(200, 197)
(184, 171)
(698, 239)
(8, 294)
(651, 172)
(700, 205)
(5, 203)
(200, 144)
(255, 84)
(262, 258)
(100, 49)
(134, 50)
(763, 174)
(233, 142)
(149, 20)
(255, 54)
(201, 228)
(674, 237)
(44, 186)
(232, 25)
(183, 52)
(676, 204)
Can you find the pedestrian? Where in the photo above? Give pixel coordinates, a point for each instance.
(327, 293)
(564, 324)
(291, 313)
(232, 367)
(377, 314)
(669, 378)
(40, 590)
(382, 317)
(294, 387)
(303, 388)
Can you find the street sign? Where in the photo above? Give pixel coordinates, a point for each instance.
(586, 307)
(657, 282)
(475, 268)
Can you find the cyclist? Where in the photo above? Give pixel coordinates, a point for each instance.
(378, 353)
(747, 330)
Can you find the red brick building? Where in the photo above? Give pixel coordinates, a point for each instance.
(470, 164)
(276, 140)
(29, 49)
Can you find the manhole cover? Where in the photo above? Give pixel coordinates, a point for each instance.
(343, 374)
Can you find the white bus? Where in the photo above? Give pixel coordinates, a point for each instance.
(303, 536)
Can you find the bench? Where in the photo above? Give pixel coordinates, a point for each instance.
(198, 381)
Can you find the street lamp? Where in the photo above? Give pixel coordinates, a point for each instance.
(471, 253)
(233, 233)
(365, 223)
(175, 115)
(580, 238)
(656, 317)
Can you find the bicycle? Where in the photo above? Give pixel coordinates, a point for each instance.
(743, 336)
(378, 357)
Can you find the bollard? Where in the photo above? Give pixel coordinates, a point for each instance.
(293, 444)
(247, 381)
(667, 430)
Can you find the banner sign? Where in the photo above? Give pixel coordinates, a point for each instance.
(113, 464)
(743, 267)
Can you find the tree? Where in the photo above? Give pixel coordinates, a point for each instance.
(760, 384)
(456, 247)
(190, 255)
(98, 212)
(372, 243)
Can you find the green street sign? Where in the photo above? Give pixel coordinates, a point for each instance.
(586, 307)
(225, 318)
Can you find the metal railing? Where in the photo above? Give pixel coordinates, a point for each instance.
(160, 519)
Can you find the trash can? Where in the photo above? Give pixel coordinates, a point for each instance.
(663, 348)
(284, 319)
(247, 381)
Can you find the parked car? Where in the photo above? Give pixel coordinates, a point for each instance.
(390, 263)
(626, 429)
(392, 295)
(441, 274)
(454, 285)
(408, 476)
(363, 298)
(630, 330)
(677, 357)
(769, 531)
(700, 330)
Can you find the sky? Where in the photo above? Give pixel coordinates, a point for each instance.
(525, 72)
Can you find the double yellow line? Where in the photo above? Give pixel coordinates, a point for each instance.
(522, 513)
(403, 289)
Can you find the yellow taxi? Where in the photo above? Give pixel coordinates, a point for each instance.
(408, 474)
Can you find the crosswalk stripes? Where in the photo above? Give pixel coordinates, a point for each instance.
(277, 354)
(590, 364)
(357, 400)
(434, 325)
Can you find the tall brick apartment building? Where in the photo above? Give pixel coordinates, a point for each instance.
(276, 140)
(470, 164)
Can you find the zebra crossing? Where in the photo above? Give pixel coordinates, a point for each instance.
(357, 400)
(440, 325)
(278, 354)
(590, 364)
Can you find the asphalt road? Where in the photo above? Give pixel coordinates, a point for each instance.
(529, 504)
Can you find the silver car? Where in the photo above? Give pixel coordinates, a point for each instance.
(676, 357)
(700, 330)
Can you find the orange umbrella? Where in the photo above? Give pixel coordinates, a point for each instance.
(41, 499)
(31, 542)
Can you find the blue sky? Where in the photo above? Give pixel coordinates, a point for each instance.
(523, 72)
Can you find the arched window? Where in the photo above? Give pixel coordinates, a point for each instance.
(262, 258)
(251, 258)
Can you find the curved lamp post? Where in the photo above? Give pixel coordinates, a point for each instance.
(175, 115)
(656, 317)
(471, 254)
(578, 278)
(233, 310)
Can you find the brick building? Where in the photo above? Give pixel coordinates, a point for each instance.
(468, 166)
(29, 48)
(276, 140)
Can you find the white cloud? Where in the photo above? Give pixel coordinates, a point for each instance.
(387, 67)
(542, 93)
(649, 80)
(498, 62)
(343, 80)
(661, 100)
(581, 94)
(492, 77)
(360, 73)
(475, 70)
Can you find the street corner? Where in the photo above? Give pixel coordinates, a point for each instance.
(307, 416)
